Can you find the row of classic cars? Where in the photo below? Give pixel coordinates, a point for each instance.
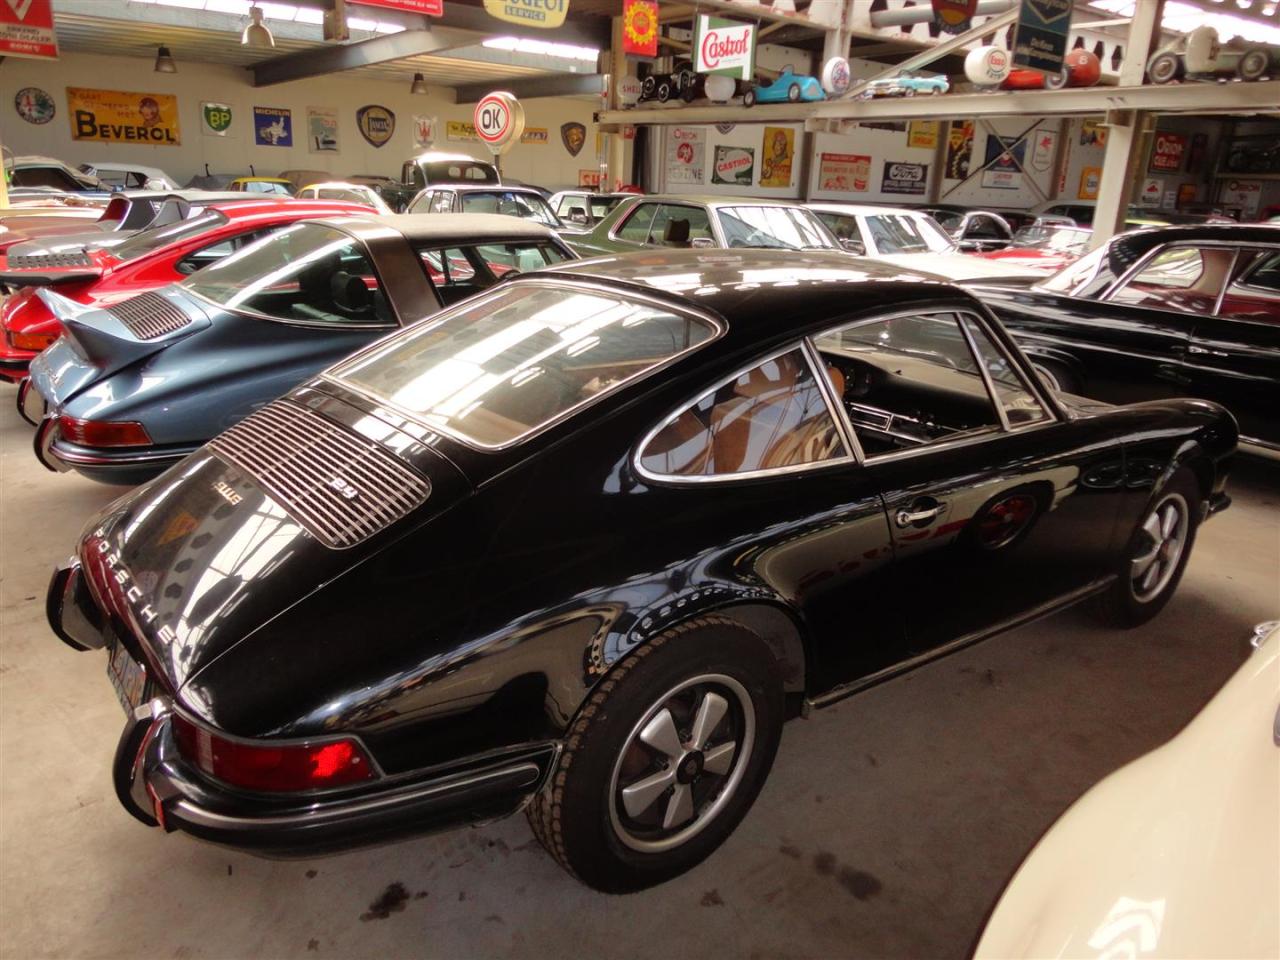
(783, 431)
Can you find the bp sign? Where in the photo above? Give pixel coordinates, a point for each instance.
(499, 121)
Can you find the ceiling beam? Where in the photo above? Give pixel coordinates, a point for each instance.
(348, 56)
(527, 88)
(585, 31)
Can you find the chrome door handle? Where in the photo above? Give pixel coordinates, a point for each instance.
(1213, 353)
(906, 518)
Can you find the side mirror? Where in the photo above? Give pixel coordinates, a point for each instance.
(703, 242)
(854, 246)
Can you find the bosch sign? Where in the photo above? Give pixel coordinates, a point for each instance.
(724, 46)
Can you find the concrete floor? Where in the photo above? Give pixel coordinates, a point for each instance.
(889, 825)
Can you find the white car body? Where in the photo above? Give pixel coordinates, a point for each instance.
(338, 190)
(131, 176)
(1176, 855)
(941, 257)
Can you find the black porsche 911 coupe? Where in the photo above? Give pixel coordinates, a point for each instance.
(583, 542)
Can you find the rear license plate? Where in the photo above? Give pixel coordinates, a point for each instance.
(128, 677)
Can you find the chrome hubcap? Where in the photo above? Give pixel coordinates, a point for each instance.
(681, 763)
(1164, 536)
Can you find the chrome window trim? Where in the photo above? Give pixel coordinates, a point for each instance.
(990, 325)
(1226, 283)
(718, 326)
(711, 220)
(983, 371)
(1159, 248)
(677, 480)
(625, 216)
(834, 404)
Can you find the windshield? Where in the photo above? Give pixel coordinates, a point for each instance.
(783, 228)
(1070, 279)
(526, 206)
(498, 368)
(148, 241)
(307, 273)
(903, 233)
(1061, 241)
(460, 171)
(948, 219)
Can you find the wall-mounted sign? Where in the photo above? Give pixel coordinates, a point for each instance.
(322, 130)
(26, 29)
(1040, 38)
(923, 134)
(1093, 133)
(836, 77)
(953, 16)
(629, 89)
(34, 105)
(539, 135)
(959, 150)
(909, 178)
(734, 166)
(1187, 193)
(215, 118)
(459, 130)
(1044, 144)
(1003, 164)
(850, 172)
(118, 116)
(272, 127)
(640, 28)
(1167, 150)
(1151, 193)
(574, 136)
(1090, 179)
(1242, 195)
(776, 153)
(425, 8)
(499, 121)
(724, 46)
(529, 13)
(686, 156)
(377, 124)
(424, 130)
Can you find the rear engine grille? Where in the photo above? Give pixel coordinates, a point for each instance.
(149, 315)
(340, 486)
(43, 261)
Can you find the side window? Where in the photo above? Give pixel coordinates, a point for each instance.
(1020, 405)
(43, 177)
(442, 201)
(675, 225)
(771, 417)
(844, 227)
(1185, 279)
(1254, 293)
(416, 176)
(636, 226)
(504, 258)
(453, 273)
(908, 381)
(985, 228)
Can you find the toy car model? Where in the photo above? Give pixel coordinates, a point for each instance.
(904, 86)
(146, 261)
(681, 82)
(398, 599)
(1200, 55)
(135, 387)
(787, 88)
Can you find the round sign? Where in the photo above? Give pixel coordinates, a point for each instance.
(986, 66)
(719, 88)
(499, 121)
(836, 77)
(34, 105)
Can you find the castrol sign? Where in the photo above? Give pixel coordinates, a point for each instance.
(499, 121)
(724, 46)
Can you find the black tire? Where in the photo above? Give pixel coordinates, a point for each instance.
(1165, 68)
(1254, 64)
(579, 816)
(1056, 81)
(793, 93)
(749, 98)
(1056, 375)
(664, 91)
(1124, 603)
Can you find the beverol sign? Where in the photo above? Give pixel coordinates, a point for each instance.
(724, 46)
(1167, 151)
(26, 29)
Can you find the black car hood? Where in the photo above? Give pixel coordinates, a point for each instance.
(196, 561)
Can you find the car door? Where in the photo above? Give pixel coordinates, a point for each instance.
(998, 505)
(1234, 355)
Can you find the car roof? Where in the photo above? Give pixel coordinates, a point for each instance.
(259, 180)
(755, 290)
(482, 188)
(459, 227)
(434, 156)
(714, 200)
(1126, 248)
(864, 210)
(246, 209)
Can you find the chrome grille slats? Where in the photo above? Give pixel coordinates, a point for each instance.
(341, 486)
(149, 315)
(36, 261)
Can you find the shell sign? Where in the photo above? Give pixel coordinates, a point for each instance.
(547, 14)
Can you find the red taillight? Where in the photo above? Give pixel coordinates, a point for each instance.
(272, 768)
(104, 433)
(31, 341)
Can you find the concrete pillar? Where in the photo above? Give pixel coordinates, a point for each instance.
(614, 144)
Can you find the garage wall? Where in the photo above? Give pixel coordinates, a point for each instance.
(548, 164)
(892, 161)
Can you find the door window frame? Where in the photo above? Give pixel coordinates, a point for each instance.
(1145, 260)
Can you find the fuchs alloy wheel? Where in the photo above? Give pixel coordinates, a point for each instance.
(1253, 65)
(793, 93)
(1165, 68)
(665, 758)
(1157, 554)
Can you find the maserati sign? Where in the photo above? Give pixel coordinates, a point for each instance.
(724, 47)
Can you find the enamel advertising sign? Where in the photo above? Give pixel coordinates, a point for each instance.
(1167, 152)
(545, 14)
(26, 29)
(425, 8)
(724, 46)
(1040, 38)
(118, 116)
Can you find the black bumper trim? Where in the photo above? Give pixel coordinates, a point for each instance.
(70, 610)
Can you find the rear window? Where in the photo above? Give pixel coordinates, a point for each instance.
(526, 206)
(460, 171)
(149, 241)
(501, 367)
